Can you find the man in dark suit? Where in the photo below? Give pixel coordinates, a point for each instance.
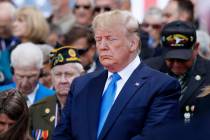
(126, 100)
(181, 60)
(44, 115)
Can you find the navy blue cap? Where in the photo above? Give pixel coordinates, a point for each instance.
(178, 39)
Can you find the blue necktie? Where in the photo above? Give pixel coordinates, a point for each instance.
(108, 100)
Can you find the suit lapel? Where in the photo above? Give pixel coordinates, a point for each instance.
(135, 82)
(195, 81)
(93, 102)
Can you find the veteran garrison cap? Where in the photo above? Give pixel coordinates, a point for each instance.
(178, 39)
(63, 55)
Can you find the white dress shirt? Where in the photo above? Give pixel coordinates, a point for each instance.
(124, 74)
(31, 96)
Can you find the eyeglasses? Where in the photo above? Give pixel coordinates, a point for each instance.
(102, 9)
(86, 7)
(154, 26)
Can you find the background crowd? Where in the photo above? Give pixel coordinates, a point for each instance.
(40, 57)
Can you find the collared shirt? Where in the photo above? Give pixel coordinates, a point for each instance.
(124, 74)
(31, 97)
(92, 67)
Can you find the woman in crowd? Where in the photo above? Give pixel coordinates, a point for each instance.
(83, 11)
(14, 116)
(30, 26)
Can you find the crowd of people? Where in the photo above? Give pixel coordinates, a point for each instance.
(93, 72)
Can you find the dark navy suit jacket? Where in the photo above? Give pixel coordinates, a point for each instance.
(147, 99)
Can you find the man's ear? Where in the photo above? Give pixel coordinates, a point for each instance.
(133, 45)
(196, 48)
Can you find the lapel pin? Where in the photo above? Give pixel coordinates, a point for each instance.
(187, 117)
(187, 108)
(52, 118)
(137, 84)
(192, 108)
(47, 110)
(45, 134)
(197, 77)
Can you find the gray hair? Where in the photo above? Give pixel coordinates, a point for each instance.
(45, 48)
(27, 55)
(154, 11)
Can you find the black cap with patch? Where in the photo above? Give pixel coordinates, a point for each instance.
(63, 55)
(178, 39)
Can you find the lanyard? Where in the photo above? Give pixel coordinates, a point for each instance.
(3, 44)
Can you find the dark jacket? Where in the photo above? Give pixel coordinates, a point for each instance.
(199, 78)
(42, 116)
(146, 100)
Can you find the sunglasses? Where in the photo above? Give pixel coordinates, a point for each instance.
(77, 6)
(102, 9)
(82, 51)
(154, 26)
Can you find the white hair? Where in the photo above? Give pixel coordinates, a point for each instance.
(154, 11)
(27, 55)
(203, 39)
(45, 48)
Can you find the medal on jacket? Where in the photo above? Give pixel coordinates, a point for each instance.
(45, 134)
(47, 110)
(188, 114)
(198, 77)
(38, 134)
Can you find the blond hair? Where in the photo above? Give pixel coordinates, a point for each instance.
(119, 18)
(116, 17)
(37, 26)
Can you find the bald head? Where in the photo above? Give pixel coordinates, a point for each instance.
(7, 11)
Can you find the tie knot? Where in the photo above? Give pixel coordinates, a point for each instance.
(115, 77)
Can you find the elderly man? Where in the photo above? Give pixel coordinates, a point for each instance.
(65, 66)
(181, 61)
(126, 100)
(27, 61)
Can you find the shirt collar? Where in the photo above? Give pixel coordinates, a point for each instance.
(31, 96)
(128, 70)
